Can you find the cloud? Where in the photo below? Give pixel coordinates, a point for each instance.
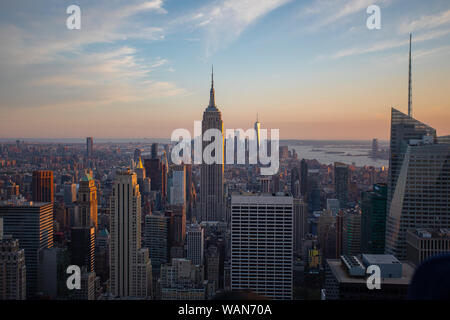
(385, 45)
(224, 21)
(326, 12)
(57, 67)
(426, 22)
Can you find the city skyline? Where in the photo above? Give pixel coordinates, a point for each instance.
(120, 76)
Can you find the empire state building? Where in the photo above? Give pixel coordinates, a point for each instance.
(211, 186)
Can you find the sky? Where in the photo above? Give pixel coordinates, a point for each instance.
(141, 69)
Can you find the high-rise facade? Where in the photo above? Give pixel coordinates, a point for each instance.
(373, 220)
(89, 146)
(262, 245)
(126, 254)
(303, 177)
(300, 224)
(178, 192)
(156, 239)
(195, 239)
(82, 247)
(12, 269)
(341, 180)
(212, 175)
(87, 202)
(403, 129)
(32, 224)
(422, 193)
(42, 186)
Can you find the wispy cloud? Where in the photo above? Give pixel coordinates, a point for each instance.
(426, 22)
(224, 21)
(384, 45)
(326, 12)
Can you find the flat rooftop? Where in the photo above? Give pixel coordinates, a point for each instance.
(381, 259)
(343, 277)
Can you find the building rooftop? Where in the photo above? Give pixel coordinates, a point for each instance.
(343, 277)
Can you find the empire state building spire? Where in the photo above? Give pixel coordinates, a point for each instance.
(212, 98)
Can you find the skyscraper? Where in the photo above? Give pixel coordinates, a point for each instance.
(262, 245)
(89, 146)
(211, 186)
(403, 129)
(421, 196)
(178, 193)
(130, 265)
(87, 202)
(257, 133)
(12, 269)
(341, 179)
(32, 224)
(156, 239)
(300, 224)
(195, 244)
(42, 186)
(295, 183)
(303, 177)
(373, 220)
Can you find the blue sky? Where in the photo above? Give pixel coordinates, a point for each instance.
(141, 68)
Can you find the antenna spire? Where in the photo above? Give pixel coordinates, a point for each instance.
(410, 80)
(212, 98)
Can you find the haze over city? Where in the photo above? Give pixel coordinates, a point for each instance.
(141, 68)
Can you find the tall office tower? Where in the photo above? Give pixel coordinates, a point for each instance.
(155, 148)
(339, 233)
(70, 193)
(211, 186)
(32, 224)
(125, 248)
(153, 170)
(89, 146)
(82, 247)
(212, 262)
(178, 194)
(295, 183)
(42, 186)
(303, 177)
(300, 224)
(341, 179)
(403, 129)
(87, 202)
(313, 194)
(326, 233)
(156, 239)
(257, 133)
(375, 148)
(422, 193)
(373, 220)
(351, 233)
(137, 155)
(177, 225)
(12, 269)
(140, 171)
(195, 240)
(189, 192)
(262, 245)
